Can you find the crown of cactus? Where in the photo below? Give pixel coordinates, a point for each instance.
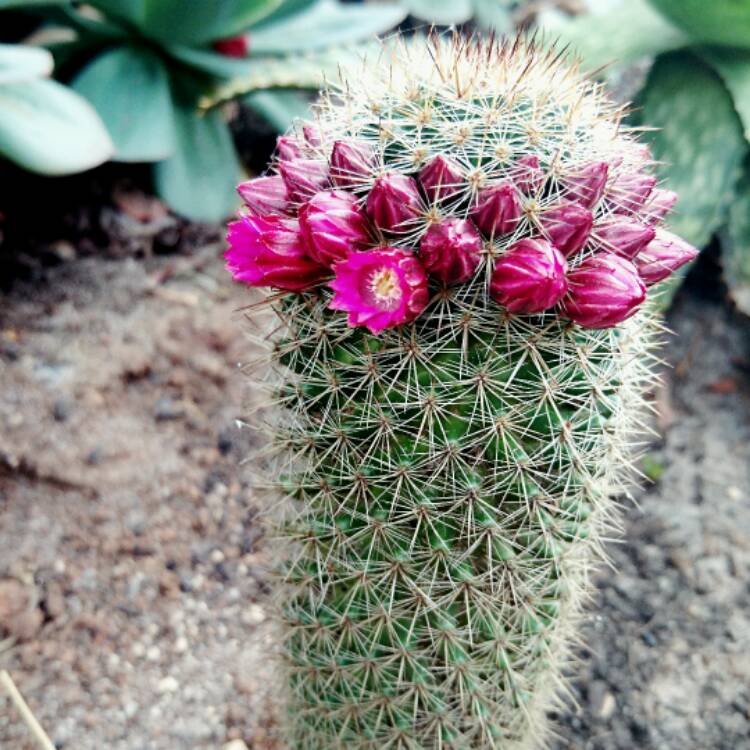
(462, 242)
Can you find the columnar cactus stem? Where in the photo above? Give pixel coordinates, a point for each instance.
(460, 395)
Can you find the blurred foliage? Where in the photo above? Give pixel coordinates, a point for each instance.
(145, 65)
(694, 102)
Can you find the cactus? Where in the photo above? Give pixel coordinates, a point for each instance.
(461, 392)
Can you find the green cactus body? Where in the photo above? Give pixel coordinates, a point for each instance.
(450, 479)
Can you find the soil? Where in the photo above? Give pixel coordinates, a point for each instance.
(132, 611)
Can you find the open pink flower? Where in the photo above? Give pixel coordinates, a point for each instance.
(380, 288)
(270, 251)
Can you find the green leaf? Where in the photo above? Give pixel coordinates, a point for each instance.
(199, 179)
(129, 87)
(734, 68)
(20, 62)
(736, 246)
(324, 24)
(47, 128)
(441, 12)
(212, 63)
(717, 21)
(623, 34)
(29, 4)
(493, 14)
(279, 108)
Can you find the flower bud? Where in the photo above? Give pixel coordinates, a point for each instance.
(586, 185)
(394, 202)
(626, 237)
(304, 177)
(441, 178)
(662, 256)
(351, 162)
(233, 46)
(497, 210)
(629, 191)
(333, 225)
(527, 174)
(451, 250)
(567, 226)
(288, 148)
(312, 134)
(264, 195)
(659, 204)
(270, 251)
(603, 291)
(530, 277)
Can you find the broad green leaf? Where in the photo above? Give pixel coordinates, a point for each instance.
(699, 141)
(199, 179)
(47, 128)
(441, 12)
(717, 21)
(324, 24)
(734, 67)
(212, 63)
(129, 87)
(19, 62)
(736, 246)
(287, 8)
(623, 34)
(279, 108)
(493, 14)
(29, 4)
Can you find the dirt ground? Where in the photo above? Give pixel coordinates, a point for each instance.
(131, 598)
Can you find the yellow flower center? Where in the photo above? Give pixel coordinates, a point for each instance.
(385, 287)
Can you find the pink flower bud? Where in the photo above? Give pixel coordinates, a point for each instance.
(451, 250)
(659, 204)
(626, 237)
(394, 202)
(333, 225)
(288, 148)
(269, 251)
(567, 226)
(498, 209)
(586, 185)
(603, 291)
(441, 178)
(530, 277)
(662, 256)
(351, 162)
(304, 177)
(233, 46)
(313, 135)
(629, 191)
(264, 195)
(527, 174)
(380, 288)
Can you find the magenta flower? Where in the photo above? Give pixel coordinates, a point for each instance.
(603, 291)
(663, 256)
(659, 204)
(380, 288)
(264, 195)
(351, 162)
(498, 209)
(630, 190)
(304, 177)
(441, 178)
(288, 148)
(333, 225)
(586, 185)
(530, 277)
(394, 202)
(567, 226)
(270, 251)
(626, 237)
(451, 250)
(527, 174)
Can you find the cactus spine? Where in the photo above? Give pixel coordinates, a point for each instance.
(451, 478)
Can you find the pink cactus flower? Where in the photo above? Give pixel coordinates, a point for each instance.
(629, 191)
(498, 209)
(664, 255)
(304, 177)
(380, 288)
(270, 251)
(333, 225)
(527, 174)
(604, 290)
(351, 162)
(394, 202)
(659, 204)
(288, 148)
(626, 237)
(451, 250)
(530, 277)
(441, 178)
(586, 185)
(264, 195)
(567, 226)
(233, 46)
